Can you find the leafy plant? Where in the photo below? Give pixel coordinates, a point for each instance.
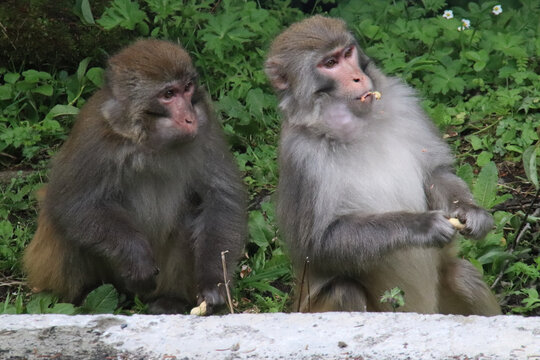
(102, 300)
(479, 84)
(394, 297)
(266, 264)
(16, 219)
(33, 103)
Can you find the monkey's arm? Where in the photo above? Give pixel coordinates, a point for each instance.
(335, 242)
(220, 226)
(104, 229)
(447, 192)
(364, 239)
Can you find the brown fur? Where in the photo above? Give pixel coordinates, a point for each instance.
(137, 196)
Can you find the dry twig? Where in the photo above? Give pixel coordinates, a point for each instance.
(225, 277)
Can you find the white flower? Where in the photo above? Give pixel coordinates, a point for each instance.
(466, 23)
(448, 14)
(497, 9)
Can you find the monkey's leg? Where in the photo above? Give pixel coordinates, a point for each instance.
(463, 292)
(51, 265)
(176, 290)
(335, 294)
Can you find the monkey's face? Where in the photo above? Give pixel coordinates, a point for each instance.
(344, 78)
(173, 118)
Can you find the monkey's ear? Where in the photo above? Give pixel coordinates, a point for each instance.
(117, 116)
(112, 109)
(276, 75)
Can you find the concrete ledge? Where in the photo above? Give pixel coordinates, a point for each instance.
(270, 336)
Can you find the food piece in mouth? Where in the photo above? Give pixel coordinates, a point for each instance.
(376, 94)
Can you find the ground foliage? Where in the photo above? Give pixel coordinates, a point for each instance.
(478, 78)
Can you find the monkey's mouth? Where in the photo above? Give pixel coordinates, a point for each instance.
(368, 96)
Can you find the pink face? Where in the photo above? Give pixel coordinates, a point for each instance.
(177, 100)
(343, 67)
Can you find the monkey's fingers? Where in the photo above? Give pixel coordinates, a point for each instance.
(457, 224)
(199, 310)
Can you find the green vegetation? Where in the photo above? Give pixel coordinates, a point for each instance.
(480, 84)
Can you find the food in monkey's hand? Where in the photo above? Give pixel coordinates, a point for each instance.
(376, 94)
(457, 224)
(199, 310)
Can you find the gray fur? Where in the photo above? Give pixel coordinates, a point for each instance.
(364, 192)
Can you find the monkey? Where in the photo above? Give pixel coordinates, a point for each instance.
(144, 193)
(366, 186)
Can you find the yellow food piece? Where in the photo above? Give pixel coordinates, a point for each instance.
(199, 310)
(457, 224)
(377, 95)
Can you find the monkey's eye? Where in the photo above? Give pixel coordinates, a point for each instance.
(330, 63)
(169, 94)
(188, 86)
(348, 52)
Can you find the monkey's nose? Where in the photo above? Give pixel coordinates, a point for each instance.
(356, 80)
(188, 121)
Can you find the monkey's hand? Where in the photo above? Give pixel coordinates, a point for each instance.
(478, 222)
(435, 228)
(141, 275)
(212, 300)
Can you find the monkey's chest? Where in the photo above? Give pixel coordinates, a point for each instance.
(390, 179)
(157, 206)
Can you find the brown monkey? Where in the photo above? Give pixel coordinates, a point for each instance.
(144, 194)
(366, 187)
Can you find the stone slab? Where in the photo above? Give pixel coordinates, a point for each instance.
(270, 336)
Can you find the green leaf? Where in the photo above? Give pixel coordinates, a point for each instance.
(123, 13)
(63, 308)
(40, 303)
(493, 255)
(480, 58)
(96, 76)
(484, 158)
(11, 78)
(6, 91)
(445, 79)
(33, 76)
(465, 172)
(233, 108)
(81, 70)
(143, 28)
(530, 164)
(259, 231)
(102, 300)
(87, 12)
(485, 189)
(476, 142)
(257, 101)
(59, 110)
(46, 90)
(368, 29)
